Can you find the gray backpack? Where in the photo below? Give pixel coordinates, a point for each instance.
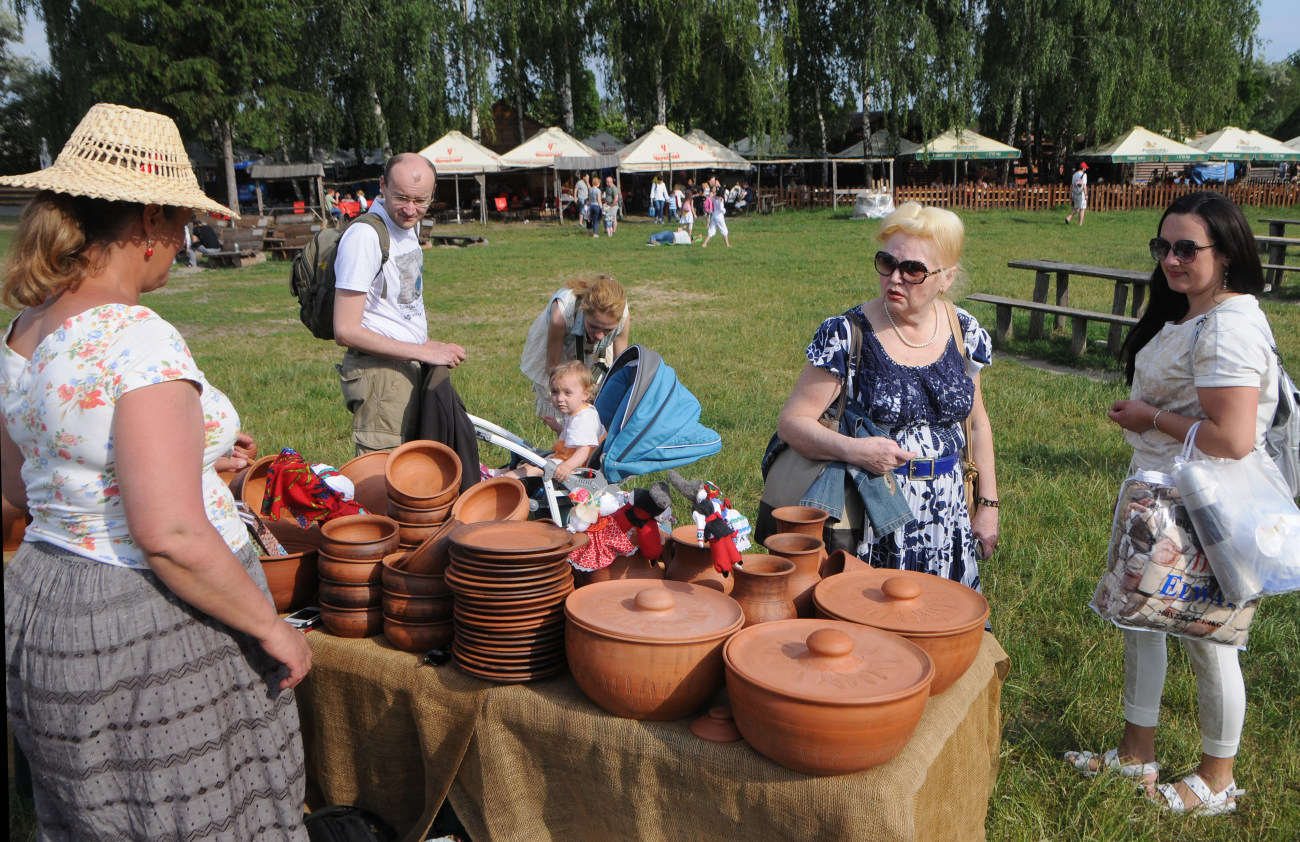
(312, 278)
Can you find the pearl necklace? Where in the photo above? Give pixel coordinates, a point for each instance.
(903, 338)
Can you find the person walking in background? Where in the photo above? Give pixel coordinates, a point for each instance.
(1078, 193)
(675, 203)
(1202, 352)
(658, 199)
(716, 207)
(580, 192)
(688, 213)
(593, 207)
(613, 204)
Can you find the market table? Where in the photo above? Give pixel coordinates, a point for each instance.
(539, 761)
(1123, 278)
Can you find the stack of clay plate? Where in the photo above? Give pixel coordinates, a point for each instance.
(510, 579)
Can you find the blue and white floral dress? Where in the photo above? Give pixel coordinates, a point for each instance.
(921, 408)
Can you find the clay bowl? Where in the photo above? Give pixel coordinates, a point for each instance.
(291, 578)
(255, 483)
(824, 697)
(643, 649)
(423, 474)
(350, 595)
(434, 554)
(359, 537)
(399, 581)
(417, 609)
(352, 622)
(805, 520)
(499, 498)
(367, 475)
(418, 517)
(412, 535)
(418, 637)
(349, 572)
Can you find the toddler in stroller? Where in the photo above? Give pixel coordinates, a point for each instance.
(572, 389)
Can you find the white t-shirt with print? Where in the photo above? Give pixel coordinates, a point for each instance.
(399, 314)
(583, 428)
(59, 409)
(1234, 349)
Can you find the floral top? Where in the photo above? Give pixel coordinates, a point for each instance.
(59, 408)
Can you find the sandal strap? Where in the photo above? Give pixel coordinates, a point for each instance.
(1132, 770)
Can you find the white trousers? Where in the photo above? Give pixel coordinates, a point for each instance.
(718, 222)
(1221, 691)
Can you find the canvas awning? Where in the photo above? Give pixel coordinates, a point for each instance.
(1293, 143)
(766, 146)
(1234, 144)
(604, 143)
(968, 145)
(727, 160)
(544, 148)
(456, 152)
(1139, 145)
(879, 145)
(663, 149)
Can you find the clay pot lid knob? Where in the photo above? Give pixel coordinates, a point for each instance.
(830, 643)
(899, 589)
(716, 726)
(654, 599)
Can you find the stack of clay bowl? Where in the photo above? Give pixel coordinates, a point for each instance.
(350, 562)
(510, 579)
(423, 479)
(417, 598)
(943, 617)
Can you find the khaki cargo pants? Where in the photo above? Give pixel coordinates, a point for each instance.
(383, 396)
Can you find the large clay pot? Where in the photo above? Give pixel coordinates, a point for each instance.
(423, 474)
(291, 577)
(762, 588)
(632, 566)
(359, 537)
(806, 551)
(825, 697)
(943, 617)
(648, 650)
(692, 563)
(805, 520)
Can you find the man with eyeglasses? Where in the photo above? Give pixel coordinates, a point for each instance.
(379, 312)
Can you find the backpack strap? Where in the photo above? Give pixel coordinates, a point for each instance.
(385, 243)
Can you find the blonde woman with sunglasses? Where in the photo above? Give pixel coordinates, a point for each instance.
(916, 382)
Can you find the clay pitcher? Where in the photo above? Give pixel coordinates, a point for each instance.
(692, 563)
(806, 552)
(762, 588)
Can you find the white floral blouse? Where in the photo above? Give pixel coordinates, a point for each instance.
(59, 408)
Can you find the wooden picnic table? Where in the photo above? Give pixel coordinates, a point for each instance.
(1044, 269)
(1277, 227)
(1275, 246)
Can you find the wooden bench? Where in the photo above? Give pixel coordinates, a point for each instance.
(1078, 319)
(456, 240)
(231, 259)
(1123, 278)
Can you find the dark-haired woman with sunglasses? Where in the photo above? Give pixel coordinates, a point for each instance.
(916, 382)
(1203, 351)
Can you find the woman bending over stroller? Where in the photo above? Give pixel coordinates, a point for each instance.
(587, 321)
(572, 390)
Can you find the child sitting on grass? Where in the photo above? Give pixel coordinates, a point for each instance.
(581, 433)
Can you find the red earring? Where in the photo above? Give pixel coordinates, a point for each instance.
(149, 251)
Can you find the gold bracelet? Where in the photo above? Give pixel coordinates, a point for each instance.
(984, 501)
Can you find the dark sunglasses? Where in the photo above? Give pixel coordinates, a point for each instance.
(911, 271)
(1184, 250)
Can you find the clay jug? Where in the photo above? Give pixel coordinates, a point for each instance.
(806, 552)
(806, 520)
(762, 585)
(694, 564)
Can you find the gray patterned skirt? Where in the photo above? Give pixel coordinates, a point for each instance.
(143, 718)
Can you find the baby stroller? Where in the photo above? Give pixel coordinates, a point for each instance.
(652, 423)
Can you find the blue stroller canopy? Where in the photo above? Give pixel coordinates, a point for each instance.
(652, 421)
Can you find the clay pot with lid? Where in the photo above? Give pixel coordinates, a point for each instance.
(826, 697)
(943, 617)
(692, 563)
(423, 474)
(807, 552)
(762, 588)
(649, 650)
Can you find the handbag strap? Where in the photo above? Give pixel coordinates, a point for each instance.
(1189, 444)
(855, 359)
(968, 447)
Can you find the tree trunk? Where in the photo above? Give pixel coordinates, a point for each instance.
(661, 97)
(821, 129)
(228, 157)
(380, 125)
(566, 82)
(1013, 124)
(467, 52)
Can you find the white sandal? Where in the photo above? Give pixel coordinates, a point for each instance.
(1109, 762)
(1212, 803)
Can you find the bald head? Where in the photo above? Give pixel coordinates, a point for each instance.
(407, 187)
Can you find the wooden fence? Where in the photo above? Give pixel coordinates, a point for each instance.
(1101, 197)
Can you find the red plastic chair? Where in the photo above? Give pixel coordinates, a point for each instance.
(501, 203)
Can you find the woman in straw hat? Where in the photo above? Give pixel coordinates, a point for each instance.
(148, 675)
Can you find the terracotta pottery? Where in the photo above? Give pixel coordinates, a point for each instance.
(14, 522)
(632, 566)
(511, 538)
(255, 483)
(359, 537)
(649, 650)
(351, 595)
(692, 563)
(841, 561)
(805, 520)
(433, 554)
(367, 474)
(352, 622)
(412, 535)
(762, 588)
(418, 637)
(824, 697)
(499, 498)
(400, 581)
(423, 474)
(292, 577)
(417, 609)
(806, 552)
(349, 572)
(412, 515)
(716, 726)
(943, 617)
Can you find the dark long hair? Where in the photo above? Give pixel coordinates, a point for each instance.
(1233, 238)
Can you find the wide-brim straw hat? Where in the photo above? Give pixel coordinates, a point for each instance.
(124, 155)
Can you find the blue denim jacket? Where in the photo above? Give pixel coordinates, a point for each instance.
(884, 505)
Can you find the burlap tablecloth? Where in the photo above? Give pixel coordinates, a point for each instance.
(540, 761)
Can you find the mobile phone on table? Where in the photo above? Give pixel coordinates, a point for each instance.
(304, 618)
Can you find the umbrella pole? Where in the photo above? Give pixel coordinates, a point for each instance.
(457, 177)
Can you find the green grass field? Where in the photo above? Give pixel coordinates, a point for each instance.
(733, 323)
